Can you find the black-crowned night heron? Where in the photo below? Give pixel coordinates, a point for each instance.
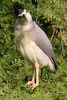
(34, 45)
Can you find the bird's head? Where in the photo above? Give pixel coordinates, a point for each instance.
(25, 16)
(23, 23)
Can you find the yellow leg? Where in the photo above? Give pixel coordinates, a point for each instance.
(37, 76)
(33, 80)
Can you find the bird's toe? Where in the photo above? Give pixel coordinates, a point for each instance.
(29, 83)
(34, 86)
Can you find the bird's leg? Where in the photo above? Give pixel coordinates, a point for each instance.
(32, 83)
(37, 76)
(33, 80)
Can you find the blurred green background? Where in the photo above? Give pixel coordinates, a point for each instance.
(51, 15)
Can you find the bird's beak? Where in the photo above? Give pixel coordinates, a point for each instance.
(22, 15)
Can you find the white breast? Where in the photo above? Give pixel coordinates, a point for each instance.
(33, 53)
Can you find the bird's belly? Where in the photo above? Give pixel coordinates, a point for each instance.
(33, 53)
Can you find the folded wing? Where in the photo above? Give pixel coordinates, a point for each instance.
(44, 44)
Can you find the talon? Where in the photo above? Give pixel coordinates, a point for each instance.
(34, 86)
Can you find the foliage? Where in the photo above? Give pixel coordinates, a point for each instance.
(52, 17)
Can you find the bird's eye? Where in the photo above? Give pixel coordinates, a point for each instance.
(19, 16)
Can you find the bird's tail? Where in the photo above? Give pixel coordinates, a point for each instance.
(55, 65)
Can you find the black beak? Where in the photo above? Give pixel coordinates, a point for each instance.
(21, 16)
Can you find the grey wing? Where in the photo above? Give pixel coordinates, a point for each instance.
(44, 44)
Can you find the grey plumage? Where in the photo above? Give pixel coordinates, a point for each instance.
(34, 45)
(43, 42)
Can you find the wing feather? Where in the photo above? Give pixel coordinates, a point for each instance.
(44, 44)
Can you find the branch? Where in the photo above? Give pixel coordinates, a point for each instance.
(53, 34)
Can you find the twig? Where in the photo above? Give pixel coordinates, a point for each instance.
(62, 46)
(53, 34)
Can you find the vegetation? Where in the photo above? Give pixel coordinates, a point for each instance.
(14, 71)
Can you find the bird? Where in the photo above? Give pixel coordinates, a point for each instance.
(34, 46)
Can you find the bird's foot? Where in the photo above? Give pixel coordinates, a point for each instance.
(30, 83)
(34, 85)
